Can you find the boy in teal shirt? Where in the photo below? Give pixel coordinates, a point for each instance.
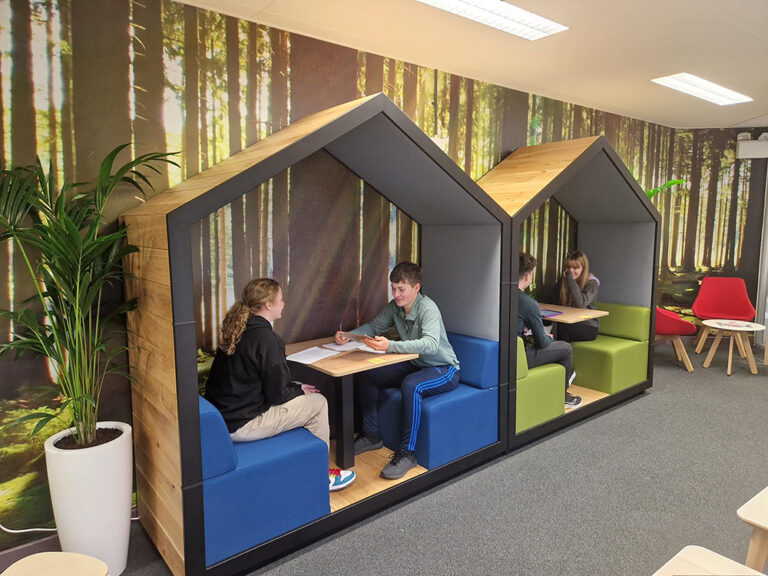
(436, 370)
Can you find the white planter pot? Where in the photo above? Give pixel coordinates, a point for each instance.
(91, 494)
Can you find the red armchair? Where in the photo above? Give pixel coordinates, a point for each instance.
(669, 326)
(721, 298)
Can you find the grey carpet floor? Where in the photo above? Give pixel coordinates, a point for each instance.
(618, 494)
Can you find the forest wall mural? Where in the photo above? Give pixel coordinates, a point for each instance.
(164, 76)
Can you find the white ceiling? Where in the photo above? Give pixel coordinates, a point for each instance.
(605, 60)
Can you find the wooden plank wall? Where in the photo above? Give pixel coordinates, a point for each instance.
(524, 173)
(151, 343)
(153, 390)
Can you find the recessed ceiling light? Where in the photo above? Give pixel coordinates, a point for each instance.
(501, 15)
(701, 88)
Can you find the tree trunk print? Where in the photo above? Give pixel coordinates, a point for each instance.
(196, 240)
(390, 86)
(372, 291)
(233, 85)
(712, 194)
(149, 84)
(552, 240)
(730, 239)
(748, 260)
(540, 243)
(237, 229)
(28, 369)
(202, 61)
(253, 72)
(453, 117)
(410, 90)
(67, 137)
(325, 200)
(515, 121)
(374, 74)
(191, 93)
(100, 65)
(470, 84)
(253, 229)
(557, 121)
(278, 109)
(23, 125)
(691, 229)
(666, 239)
(53, 128)
(578, 121)
(208, 326)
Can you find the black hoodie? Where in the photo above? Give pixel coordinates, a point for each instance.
(254, 378)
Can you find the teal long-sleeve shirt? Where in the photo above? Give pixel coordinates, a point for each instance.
(422, 332)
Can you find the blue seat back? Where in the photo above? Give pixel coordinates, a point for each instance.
(217, 451)
(479, 359)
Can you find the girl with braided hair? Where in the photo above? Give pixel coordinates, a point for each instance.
(250, 381)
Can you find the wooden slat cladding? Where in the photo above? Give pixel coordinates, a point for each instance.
(527, 171)
(147, 231)
(197, 185)
(153, 393)
(150, 264)
(174, 557)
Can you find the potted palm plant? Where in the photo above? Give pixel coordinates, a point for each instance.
(59, 233)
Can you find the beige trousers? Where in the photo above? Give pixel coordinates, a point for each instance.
(309, 411)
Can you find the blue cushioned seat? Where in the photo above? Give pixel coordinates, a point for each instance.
(255, 491)
(458, 422)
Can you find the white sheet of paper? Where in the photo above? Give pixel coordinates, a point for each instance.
(311, 355)
(351, 345)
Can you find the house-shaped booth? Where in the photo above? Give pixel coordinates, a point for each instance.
(618, 228)
(197, 518)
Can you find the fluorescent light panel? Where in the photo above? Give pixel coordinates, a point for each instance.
(701, 88)
(501, 15)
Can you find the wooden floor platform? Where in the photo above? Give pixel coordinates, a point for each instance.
(587, 396)
(369, 464)
(368, 482)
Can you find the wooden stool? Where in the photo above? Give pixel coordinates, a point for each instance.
(755, 513)
(695, 560)
(57, 564)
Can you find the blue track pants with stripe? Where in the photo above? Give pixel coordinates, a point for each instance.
(415, 383)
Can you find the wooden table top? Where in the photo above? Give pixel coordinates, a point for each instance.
(570, 315)
(695, 560)
(57, 564)
(346, 363)
(733, 325)
(755, 512)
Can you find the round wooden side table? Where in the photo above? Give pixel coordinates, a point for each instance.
(57, 564)
(738, 331)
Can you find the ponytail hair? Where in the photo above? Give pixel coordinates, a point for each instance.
(255, 295)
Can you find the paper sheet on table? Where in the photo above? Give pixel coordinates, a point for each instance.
(351, 345)
(311, 355)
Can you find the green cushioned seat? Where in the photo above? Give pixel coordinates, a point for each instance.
(618, 358)
(625, 321)
(540, 392)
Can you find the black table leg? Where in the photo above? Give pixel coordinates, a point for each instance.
(345, 422)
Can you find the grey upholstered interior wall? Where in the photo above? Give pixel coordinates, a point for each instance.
(621, 256)
(462, 273)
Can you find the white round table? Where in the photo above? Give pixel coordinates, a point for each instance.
(738, 330)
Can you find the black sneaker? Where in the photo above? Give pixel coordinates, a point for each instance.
(363, 443)
(401, 462)
(572, 401)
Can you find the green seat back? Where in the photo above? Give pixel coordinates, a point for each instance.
(625, 321)
(522, 362)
